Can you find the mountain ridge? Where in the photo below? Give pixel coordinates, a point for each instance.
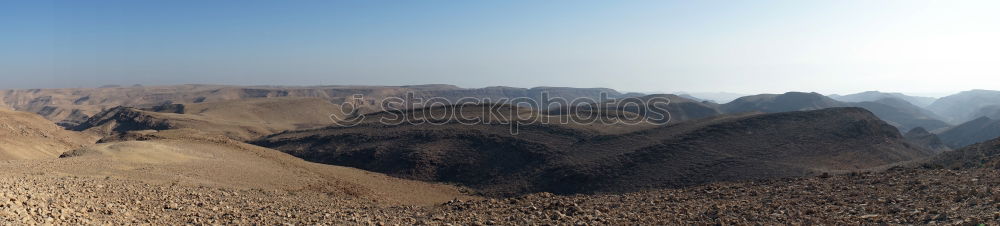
(975, 131)
(595, 164)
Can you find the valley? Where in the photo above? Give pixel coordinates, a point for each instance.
(279, 156)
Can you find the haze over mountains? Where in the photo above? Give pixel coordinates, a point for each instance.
(876, 95)
(966, 106)
(903, 114)
(717, 97)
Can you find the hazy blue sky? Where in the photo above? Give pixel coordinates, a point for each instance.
(735, 46)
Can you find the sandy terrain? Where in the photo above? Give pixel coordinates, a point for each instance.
(29, 136)
(910, 196)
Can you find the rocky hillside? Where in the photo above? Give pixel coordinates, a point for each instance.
(923, 138)
(684, 109)
(896, 197)
(568, 159)
(984, 154)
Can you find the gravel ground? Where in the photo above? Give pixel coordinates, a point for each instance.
(910, 196)
(896, 197)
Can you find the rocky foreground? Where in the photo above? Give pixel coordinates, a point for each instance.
(907, 196)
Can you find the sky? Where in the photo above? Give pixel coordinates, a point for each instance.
(844, 46)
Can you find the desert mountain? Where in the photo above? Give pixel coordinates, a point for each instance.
(871, 96)
(962, 107)
(921, 137)
(572, 159)
(975, 131)
(70, 107)
(25, 135)
(740, 148)
(237, 119)
(897, 112)
(902, 114)
(684, 109)
(285, 113)
(772, 103)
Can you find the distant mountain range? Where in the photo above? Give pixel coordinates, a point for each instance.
(71, 107)
(903, 114)
(897, 112)
(717, 97)
(771, 103)
(966, 106)
(876, 95)
(975, 131)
